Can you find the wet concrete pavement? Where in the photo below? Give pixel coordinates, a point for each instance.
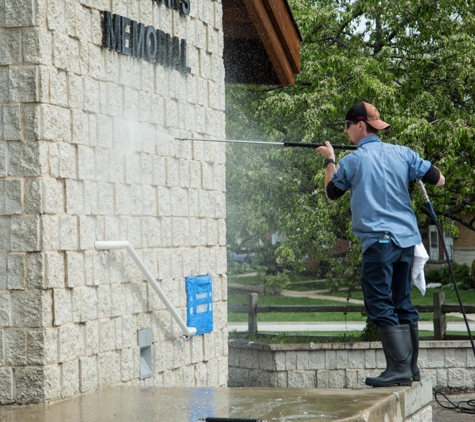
(442, 414)
(135, 404)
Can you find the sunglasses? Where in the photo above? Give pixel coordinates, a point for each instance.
(349, 123)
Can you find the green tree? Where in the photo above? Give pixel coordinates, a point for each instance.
(414, 60)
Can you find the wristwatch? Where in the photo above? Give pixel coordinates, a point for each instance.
(328, 161)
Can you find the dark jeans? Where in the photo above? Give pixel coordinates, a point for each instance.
(386, 284)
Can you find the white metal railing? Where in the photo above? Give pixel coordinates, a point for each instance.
(124, 244)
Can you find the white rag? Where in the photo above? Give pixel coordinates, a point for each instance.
(420, 259)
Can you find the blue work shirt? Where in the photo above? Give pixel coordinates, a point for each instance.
(378, 176)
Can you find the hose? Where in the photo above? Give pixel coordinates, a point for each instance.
(470, 408)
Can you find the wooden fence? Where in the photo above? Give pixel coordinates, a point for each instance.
(439, 308)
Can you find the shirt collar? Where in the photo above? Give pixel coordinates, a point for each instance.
(368, 139)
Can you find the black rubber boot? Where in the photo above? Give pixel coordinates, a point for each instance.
(397, 347)
(416, 373)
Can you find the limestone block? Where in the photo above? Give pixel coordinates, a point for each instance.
(190, 262)
(66, 52)
(202, 87)
(109, 368)
(22, 84)
(166, 232)
(221, 232)
(62, 306)
(12, 271)
(112, 228)
(56, 123)
(35, 263)
(75, 91)
(164, 204)
(86, 163)
(461, 358)
(26, 159)
(68, 232)
(221, 260)
(69, 378)
(57, 16)
(144, 106)
(104, 301)
(11, 126)
(107, 335)
(52, 196)
(80, 127)
(82, 24)
(75, 269)
(91, 95)
(62, 160)
(152, 232)
(4, 158)
(52, 382)
(36, 347)
(172, 115)
(96, 4)
(74, 197)
(128, 364)
(116, 167)
(88, 374)
(92, 337)
(114, 99)
(58, 88)
(88, 304)
(341, 359)
(15, 347)
(54, 270)
(105, 203)
(149, 200)
(92, 132)
(457, 378)
(29, 385)
(70, 342)
(12, 47)
(6, 386)
(25, 234)
(138, 295)
(33, 196)
(132, 169)
(435, 358)
(211, 232)
(129, 331)
(90, 198)
(158, 111)
(206, 204)
(37, 46)
(11, 194)
(50, 345)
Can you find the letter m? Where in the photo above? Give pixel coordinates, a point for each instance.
(112, 31)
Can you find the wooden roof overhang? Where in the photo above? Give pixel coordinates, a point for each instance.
(261, 42)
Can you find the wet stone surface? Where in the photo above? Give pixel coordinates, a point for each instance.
(442, 414)
(133, 404)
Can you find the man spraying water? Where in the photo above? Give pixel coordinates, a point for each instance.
(378, 175)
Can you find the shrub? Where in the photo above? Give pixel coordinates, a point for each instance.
(462, 274)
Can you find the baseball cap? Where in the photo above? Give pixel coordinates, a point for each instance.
(366, 112)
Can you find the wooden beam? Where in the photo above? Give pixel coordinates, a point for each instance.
(286, 30)
(271, 40)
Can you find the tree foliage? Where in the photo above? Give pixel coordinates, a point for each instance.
(414, 60)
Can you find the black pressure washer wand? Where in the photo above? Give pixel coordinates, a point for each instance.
(280, 144)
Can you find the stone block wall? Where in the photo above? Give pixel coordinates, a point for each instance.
(82, 159)
(449, 364)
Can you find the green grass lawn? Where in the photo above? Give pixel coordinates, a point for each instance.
(468, 297)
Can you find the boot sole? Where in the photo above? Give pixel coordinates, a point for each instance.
(406, 383)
